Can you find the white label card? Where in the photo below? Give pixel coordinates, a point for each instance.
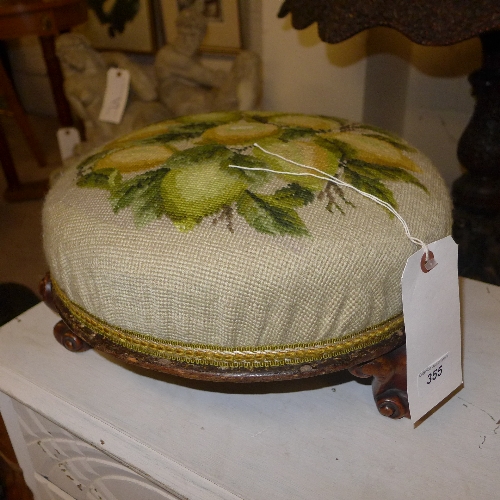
(67, 138)
(115, 95)
(431, 309)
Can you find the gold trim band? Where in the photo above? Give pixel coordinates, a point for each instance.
(232, 357)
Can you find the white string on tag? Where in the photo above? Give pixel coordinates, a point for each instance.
(430, 262)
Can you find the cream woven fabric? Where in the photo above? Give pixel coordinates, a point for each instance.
(156, 234)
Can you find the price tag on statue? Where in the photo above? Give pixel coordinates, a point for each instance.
(115, 95)
(431, 311)
(67, 139)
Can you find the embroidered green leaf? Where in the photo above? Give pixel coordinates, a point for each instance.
(259, 118)
(106, 178)
(292, 196)
(183, 132)
(339, 148)
(265, 215)
(199, 154)
(334, 194)
(142, 194)
(384, 172)
(292, 133)
(247, 161)
(378, 130)
(393, 142)
(370, 185)
(90, 161)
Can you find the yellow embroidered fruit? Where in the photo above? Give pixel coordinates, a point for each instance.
(305, 121)
(239, 132)
(373, 150)
(144, 133)
(195, 191)
(214, 117)
(135, 158)
(306, 153)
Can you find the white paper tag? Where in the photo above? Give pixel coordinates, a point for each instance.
(115, 95)
(431, 309)
(67, 138)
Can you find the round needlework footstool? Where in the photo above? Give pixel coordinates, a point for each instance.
(244, 246)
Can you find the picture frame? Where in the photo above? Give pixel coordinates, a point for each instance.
(138, 35)
(223, 31)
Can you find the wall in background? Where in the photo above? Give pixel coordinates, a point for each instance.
(439, 102)
(380, 77)
(303, 74)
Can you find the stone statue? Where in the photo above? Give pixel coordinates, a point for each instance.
(85, 70)
(186, 86)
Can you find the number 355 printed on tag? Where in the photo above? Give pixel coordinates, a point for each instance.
(430, 378)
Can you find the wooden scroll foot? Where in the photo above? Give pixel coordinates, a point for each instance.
(63, 334)
(389, 382)
(68, 339)
(45, 290)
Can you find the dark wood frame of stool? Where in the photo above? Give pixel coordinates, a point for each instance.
(385, 361)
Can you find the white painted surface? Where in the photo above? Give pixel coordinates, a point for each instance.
(12, 423)
(320, 438)
(48, 491)
(77, 468)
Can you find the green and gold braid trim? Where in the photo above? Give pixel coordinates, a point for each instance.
(233, 357)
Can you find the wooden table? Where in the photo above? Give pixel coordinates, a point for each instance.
(86, 426)
(45, 19)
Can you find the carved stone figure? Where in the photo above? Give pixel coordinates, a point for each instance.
(186, 86)
(85, 72)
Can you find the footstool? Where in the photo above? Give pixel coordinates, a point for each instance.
(244, 247)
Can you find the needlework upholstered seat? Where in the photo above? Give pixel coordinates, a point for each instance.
(191, 248)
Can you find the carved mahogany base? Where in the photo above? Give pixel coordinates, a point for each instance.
(389, 382)
(68, 339)
(386, 361)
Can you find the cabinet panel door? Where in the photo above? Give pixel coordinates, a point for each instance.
(49, 491)
(78, 468)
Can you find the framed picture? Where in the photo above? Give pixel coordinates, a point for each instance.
(123, 25)
(223, 32)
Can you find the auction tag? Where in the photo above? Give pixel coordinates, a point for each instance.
(115, 95)
(67, 138)
(431, 309)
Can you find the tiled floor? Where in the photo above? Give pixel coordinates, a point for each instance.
(21, 254)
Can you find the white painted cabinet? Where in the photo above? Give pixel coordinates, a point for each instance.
(85, 426)
(67, 467)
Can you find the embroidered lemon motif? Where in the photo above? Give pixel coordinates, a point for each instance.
(144, 133)
(135, 158)
(214, 117)
(239, 132)
(193, 192)
(306, 153)
(199, 182)
(305, 121)
(375, 150)
(182, 169)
